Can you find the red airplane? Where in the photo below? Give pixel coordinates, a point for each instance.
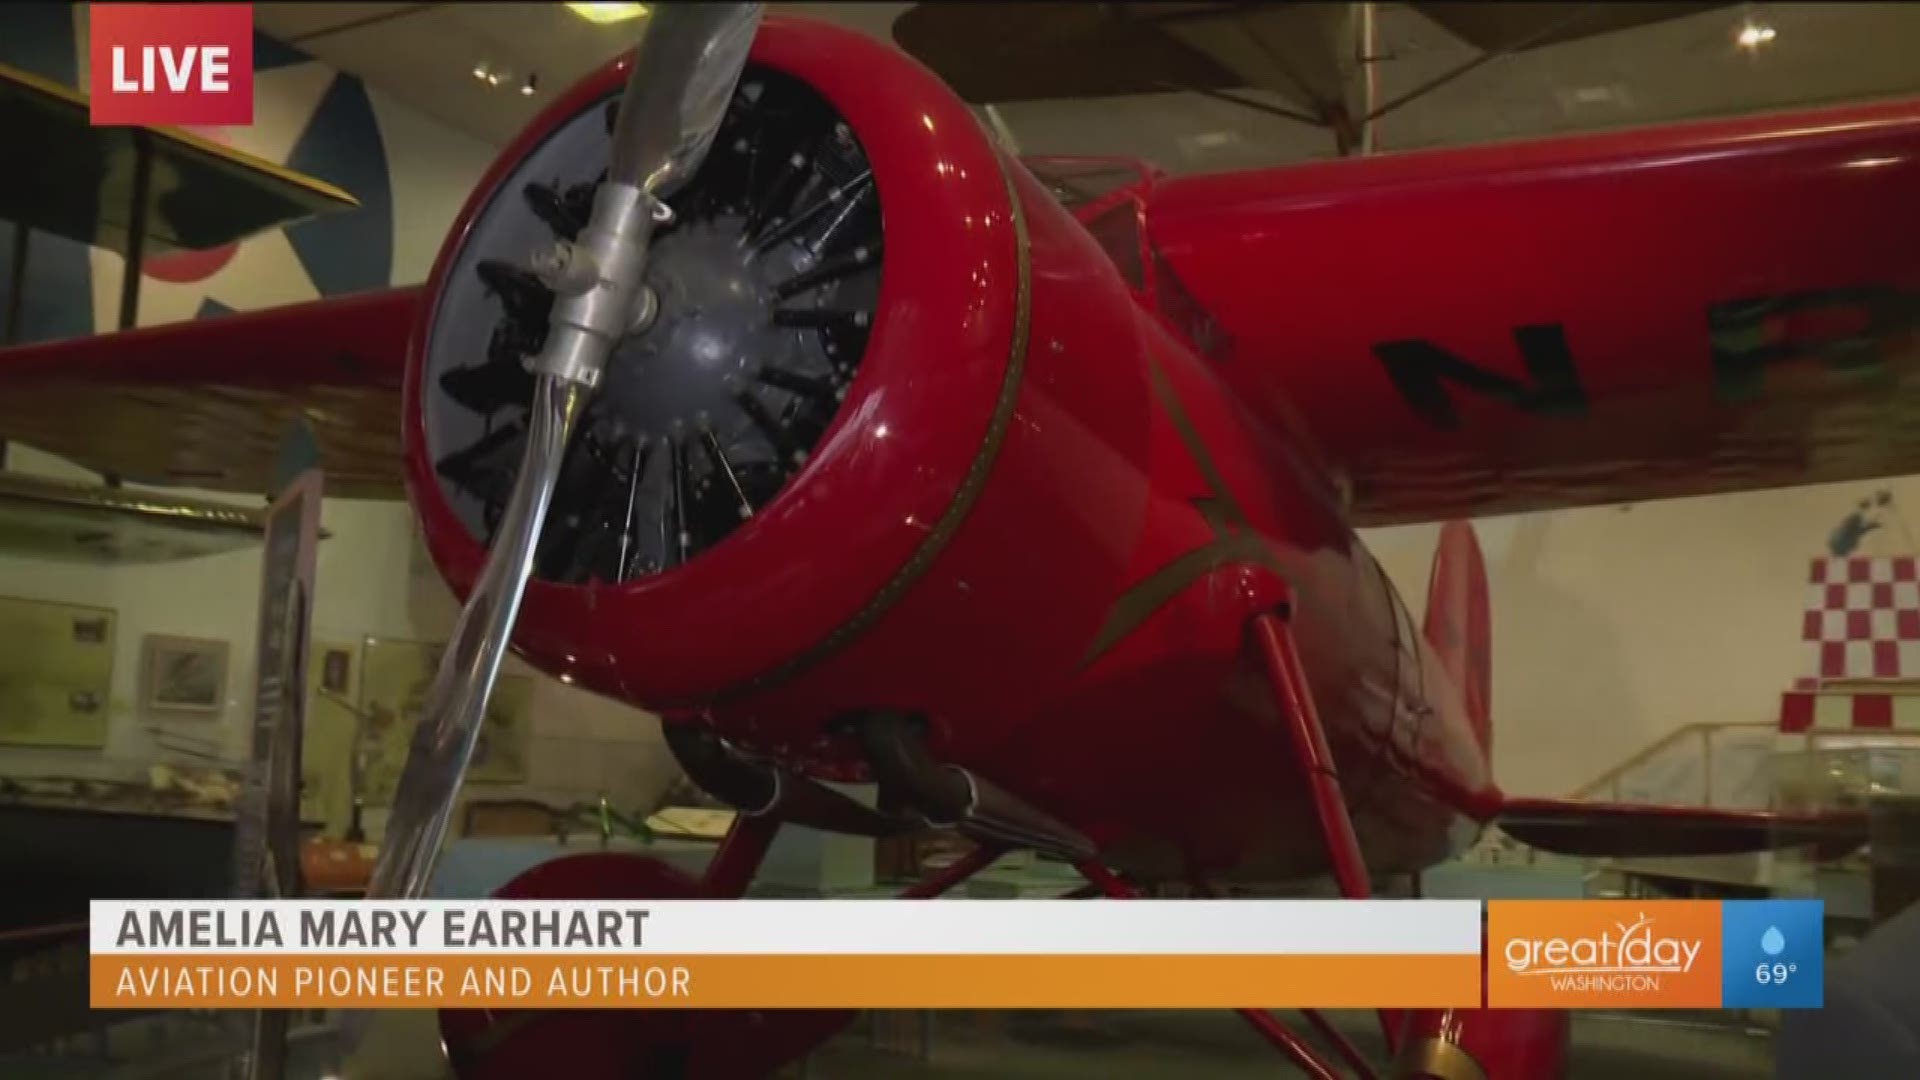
(1042, 516)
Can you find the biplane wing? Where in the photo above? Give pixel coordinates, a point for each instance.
(1494, 27)
(80, 181)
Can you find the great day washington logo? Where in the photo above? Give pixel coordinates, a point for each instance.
(1592, 953)
(1631, 956)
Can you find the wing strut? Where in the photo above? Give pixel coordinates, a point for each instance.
(1271, 638)
(1272, 641)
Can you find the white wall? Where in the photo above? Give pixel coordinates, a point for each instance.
(1613, 626)
(433, 169)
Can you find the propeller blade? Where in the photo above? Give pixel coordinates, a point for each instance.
(683, 76)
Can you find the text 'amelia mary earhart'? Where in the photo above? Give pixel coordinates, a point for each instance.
(351, 927)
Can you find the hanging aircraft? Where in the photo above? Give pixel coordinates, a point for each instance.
(757, 386)
(1311, 62)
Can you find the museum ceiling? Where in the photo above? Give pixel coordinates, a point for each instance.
(1690, 66)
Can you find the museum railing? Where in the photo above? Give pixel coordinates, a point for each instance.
(1703, 764)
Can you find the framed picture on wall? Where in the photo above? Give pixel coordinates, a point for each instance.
(56, 673)
(183, 675)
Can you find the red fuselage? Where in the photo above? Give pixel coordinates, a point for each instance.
(1059, 488)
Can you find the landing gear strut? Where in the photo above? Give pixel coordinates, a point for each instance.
(1439, 1044)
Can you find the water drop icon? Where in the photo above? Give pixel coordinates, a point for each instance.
(1773, 942)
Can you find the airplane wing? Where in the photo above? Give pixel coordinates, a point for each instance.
(82, 179)
(1620, 316)
(206, 403)
(1498, 27)
(65, 521)
(995, 52)
(198, 404)
(1305, 53)
(1623, 830)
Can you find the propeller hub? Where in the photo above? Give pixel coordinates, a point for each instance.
(713, 329)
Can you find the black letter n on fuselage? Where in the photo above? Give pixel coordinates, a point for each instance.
(1419, 370)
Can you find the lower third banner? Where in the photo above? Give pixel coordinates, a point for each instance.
(786, 954)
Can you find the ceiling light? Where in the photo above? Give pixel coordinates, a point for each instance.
(532, 84)
(480, 72)
(1752, 35)
(493, 79)
(602, 14)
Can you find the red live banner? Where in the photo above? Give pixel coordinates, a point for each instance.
(170, 64)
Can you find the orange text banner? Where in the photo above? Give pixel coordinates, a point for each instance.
(783, 981)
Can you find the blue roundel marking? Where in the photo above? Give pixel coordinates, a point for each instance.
(352, 250)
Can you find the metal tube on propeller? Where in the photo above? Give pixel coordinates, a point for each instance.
(684, 73)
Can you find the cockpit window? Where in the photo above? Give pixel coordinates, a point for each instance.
(1079, 182)
(1187, 317)
(1117, 231)
(1108, 196)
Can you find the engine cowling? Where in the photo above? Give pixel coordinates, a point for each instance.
(883, 443)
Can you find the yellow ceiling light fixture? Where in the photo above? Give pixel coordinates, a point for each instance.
(603, 14)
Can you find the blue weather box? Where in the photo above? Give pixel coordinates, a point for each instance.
(1772, 954)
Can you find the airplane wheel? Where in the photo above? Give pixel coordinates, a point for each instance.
(657, 1044)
